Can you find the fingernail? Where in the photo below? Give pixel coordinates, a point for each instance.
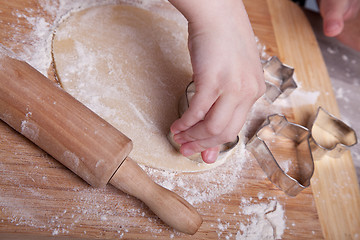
(174, 131)
(209, 156)
(333, 27)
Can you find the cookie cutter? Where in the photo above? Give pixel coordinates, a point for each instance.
(329, 135)
(279, 83)
(283, 151)
(182, 107)
(279, 79)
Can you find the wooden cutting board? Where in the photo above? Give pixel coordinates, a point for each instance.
(39, 198)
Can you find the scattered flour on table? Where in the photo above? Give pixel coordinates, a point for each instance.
(299, 97)
(266, 219)
(350, 112)
(262, 218)
(204, 186)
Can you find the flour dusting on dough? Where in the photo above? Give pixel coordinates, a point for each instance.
(89, 203)
(131, 67)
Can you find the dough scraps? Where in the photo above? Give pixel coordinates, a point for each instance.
(130, 66)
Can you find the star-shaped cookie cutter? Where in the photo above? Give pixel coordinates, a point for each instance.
(283, 151)
(279, 79)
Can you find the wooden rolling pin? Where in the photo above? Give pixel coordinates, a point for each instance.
(82, 141)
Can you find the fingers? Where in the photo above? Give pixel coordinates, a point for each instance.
(229, 134)
(210, 155)
(335, 12)
(332, 12)
(214, 123)
(199, 106)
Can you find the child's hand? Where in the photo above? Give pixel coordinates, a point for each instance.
(227, 75)
(336, 12)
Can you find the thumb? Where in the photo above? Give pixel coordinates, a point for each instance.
(210, 155)
(333, 12)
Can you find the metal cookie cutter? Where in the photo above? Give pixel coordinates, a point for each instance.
(183, 106)
(282, 150)
(279, 83)
(279, 79)
(330, 136)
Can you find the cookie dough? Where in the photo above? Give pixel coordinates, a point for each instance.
(130, 66)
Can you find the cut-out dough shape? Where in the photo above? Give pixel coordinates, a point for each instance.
(130, 66)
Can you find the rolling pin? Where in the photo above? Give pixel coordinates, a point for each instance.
(85, 143)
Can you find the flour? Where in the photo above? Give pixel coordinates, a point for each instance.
(266, 220)
(332, 50)
(38, 52)
(196, 187)
(285, 165)
(262, 49)
(71, 157)
(299, 97)
(345, 58)
(29, 130)
(341, 93)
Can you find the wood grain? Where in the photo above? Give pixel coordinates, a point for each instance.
(334, 183)
(59, 124)
(70, 132)
(40, 198)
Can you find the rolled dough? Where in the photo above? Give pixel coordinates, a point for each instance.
(130, 66)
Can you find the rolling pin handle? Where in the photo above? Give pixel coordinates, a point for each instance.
(168, 206)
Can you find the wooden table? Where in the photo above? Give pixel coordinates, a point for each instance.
(39, 198)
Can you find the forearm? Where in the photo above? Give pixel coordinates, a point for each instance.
(210, 11)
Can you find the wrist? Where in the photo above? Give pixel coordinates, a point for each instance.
(208, 11)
